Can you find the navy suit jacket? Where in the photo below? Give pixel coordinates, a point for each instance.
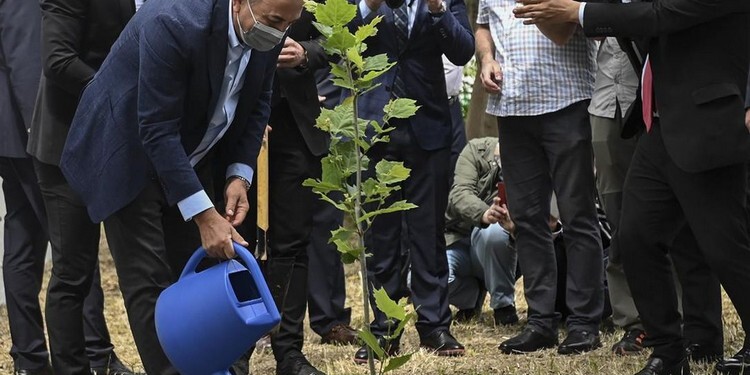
(20, 68)
(149, 106)
(420, 65)
(700, 53)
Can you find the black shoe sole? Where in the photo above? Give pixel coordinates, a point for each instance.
(570, 351)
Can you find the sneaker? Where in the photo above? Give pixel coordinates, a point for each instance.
(631, 342)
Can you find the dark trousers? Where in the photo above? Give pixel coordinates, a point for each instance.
(325, 283)
(659, 199)
(427, 187)
(458, 139)
(290, 223)
(542, 154)
(25, 245)
(150, 244)
(75, 288)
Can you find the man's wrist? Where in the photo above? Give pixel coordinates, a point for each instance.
(244, 181)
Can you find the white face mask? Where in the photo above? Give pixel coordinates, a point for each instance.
(260, 37)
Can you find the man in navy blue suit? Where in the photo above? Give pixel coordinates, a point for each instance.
(187, 86)
(416, 35)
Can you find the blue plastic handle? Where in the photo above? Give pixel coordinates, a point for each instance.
(252, 266)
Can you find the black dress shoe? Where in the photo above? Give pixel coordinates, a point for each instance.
(736, 364)
(115, 367)
(530, 340)
(360, 357)
(505, 316)
(579, 342)
(46, 370)
(705, 354)
(295, 363)
(655, 366)
(443, 344)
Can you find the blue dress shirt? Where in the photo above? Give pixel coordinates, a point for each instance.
(234, 76)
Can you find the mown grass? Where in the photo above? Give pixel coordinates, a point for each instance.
(481, 339)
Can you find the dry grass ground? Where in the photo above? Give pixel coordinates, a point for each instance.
(481, 339)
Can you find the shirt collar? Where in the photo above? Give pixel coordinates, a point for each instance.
(234, 42)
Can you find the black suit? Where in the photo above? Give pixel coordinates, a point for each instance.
(691, 167)
(295, 148)
(76, 37)
(25, 240)
(26, 221)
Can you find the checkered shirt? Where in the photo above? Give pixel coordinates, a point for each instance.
(538, 76)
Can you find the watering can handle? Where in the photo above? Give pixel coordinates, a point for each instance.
(252, 266)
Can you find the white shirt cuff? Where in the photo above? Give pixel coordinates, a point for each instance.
(580, 13)
(194, 204)
(240, 169)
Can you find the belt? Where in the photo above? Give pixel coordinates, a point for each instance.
(452, 99)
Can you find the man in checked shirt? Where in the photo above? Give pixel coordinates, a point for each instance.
(540, 92)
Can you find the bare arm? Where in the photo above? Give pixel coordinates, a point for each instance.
(490, 72)
(559, 33)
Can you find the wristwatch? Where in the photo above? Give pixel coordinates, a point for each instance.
(440, 11)
(244, 180)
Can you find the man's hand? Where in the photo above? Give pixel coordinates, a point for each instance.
(292, 55)
(548, 11)
(217, 234)
(505, 220)
(491, 76)
(747, 119)
(237, 206)
(434, 6)
(494, 214)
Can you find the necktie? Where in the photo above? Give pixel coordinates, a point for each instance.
(401, 21)
(647, 94)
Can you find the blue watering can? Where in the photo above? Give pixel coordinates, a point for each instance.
(208, 319)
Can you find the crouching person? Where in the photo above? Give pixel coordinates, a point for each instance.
(479, 246)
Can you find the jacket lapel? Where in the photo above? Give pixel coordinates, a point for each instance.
(419, 20)
(217, 49)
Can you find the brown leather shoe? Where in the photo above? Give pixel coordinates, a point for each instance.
(340, 334)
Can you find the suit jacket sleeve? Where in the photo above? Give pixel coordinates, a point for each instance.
(63, 28)
(20, 47)
(454, 33)
(162, 87)
(646, 19)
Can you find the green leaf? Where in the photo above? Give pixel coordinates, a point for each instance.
(371, 342)
(369, 76)
(331, 174)
(339, 41)
(391, 172)
(335, 13)
(366, 31)
(396, 362)
(325, 30)
(353, 55)
(320, 187)
(311, 6)
(402, 324)
(400, 108)
(378, 62)
(388, 306)
(395, 207)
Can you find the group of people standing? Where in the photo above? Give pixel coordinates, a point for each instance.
(148, 116)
